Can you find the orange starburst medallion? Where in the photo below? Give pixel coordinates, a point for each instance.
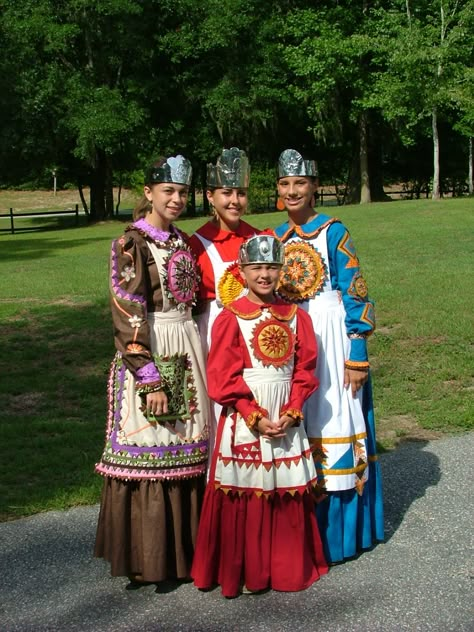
(303, 274)
(231, 284)
(273, 342)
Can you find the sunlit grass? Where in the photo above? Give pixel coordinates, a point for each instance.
(57, 340)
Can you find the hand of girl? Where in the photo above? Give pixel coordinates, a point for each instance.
(157, 403)
(285, 422)
(355, 379)
(269, 429)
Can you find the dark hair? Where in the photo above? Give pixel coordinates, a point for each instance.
(144, 206)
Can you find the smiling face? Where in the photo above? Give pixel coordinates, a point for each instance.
(230, 205)
(262, 280)
(168, 201)
(297, 193)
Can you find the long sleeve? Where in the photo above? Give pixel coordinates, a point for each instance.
(347, 278)
(129, 292)
(304, 381)
(225, 365)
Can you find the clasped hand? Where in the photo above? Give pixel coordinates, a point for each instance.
(274, 429)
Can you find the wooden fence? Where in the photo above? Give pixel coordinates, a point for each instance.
(12, 215)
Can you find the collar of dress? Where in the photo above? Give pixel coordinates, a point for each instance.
(243, 308)
(155, 233)
(214, 233)
(305, 231)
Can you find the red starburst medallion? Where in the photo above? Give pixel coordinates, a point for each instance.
(273, 342)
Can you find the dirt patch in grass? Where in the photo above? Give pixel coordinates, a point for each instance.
(24, 404)
(386, 330)
(392, 431)
(422, 341)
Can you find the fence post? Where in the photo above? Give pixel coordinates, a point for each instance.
(321, 197)
(77, 214)
(12, 225)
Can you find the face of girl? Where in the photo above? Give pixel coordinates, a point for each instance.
(230, 205)
(297, 193)
(262, 280)
(168, 201)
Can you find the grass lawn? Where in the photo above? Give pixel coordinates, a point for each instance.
(57, 340)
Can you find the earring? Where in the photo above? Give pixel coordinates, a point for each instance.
(280, 204)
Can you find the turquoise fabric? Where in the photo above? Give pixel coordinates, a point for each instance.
(350, 523)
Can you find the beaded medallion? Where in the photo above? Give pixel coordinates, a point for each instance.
(231, 284)
(181, 278)
(273, 342)
(303, 274)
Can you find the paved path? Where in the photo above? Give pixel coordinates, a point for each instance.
(420, 579)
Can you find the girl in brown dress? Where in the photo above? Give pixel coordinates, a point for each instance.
(156, 446)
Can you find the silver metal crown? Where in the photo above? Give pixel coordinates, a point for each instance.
(176, 169)
(291, 163)
(262, 249)
(232, 170)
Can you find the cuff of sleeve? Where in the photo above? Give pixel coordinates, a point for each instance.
(294, 413)
(253, 419)
(356, 366)
(148, 374)
(151, 387)
(358, 352)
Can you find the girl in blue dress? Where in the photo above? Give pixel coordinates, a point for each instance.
(322, 275)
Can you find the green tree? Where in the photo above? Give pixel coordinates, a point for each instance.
(77, 81)
(329, 53)
(424, 48)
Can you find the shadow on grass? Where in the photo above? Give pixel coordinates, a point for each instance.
(53, 391)
(407, 473)
(20, 249)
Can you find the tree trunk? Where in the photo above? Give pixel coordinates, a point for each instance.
(364, 161)
(99, 194)
(205, 201)
(83, 199)
(376, 133)
(353, 181)
(119, 194)
(109, 189)
(436, 194)
(191, 208)
(469, 181)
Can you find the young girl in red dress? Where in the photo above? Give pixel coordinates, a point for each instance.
(258, 528)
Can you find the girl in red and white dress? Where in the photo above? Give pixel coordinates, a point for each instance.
(258, 528)
(216, 247)
(216, 244)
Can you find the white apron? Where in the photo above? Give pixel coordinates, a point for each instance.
(333, 418)
(206, 319)
(249, 462)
